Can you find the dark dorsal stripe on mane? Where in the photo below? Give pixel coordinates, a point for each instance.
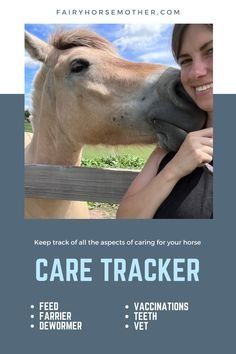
(62, 40)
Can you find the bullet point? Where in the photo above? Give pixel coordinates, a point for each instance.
(32, 306)
(126, 316)
(32, 325)
(31, 316)
(126, 326)
(126, 306)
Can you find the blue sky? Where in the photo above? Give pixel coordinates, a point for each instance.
(135, 42)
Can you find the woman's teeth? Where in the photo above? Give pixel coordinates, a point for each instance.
(204, 87)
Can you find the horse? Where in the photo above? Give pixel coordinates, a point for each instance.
(86, 93)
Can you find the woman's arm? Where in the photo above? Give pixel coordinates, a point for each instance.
(148, 190)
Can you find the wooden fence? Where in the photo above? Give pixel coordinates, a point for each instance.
(77, 183)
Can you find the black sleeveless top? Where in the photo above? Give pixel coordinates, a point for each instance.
(191, 198)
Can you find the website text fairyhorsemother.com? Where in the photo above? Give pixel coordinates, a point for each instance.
(117, 12)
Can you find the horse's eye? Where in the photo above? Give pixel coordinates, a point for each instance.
(79, 65)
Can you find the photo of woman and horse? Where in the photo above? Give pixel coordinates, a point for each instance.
(84, 93)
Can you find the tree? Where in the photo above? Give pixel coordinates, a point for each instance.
(27, 115)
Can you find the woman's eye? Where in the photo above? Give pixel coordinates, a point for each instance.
(79, 65)
(210, 51)
(184, 62)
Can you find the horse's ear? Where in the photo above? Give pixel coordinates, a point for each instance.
(36, 48)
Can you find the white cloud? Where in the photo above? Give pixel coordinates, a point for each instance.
(31, 63)
(162, 57)
(140, 37)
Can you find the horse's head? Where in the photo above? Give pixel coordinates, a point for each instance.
(94, 96)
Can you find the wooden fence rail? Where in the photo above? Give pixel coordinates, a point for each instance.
(77, 183)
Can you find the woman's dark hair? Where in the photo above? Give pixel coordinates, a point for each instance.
(177, 37)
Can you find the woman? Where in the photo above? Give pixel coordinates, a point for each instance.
(177, 185)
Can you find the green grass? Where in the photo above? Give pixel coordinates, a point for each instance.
(101, 151)
(28, 127)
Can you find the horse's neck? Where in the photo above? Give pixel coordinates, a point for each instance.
(46, 149)
(43, 150)
(50, 146)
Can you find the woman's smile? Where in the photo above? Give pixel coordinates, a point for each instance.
(204, 88)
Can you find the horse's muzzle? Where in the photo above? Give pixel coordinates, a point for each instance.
(174, 114)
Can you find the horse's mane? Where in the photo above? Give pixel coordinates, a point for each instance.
(63, 39)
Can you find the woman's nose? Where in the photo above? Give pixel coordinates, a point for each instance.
(199, 69)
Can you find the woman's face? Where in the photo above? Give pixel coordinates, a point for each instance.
(196, 62)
